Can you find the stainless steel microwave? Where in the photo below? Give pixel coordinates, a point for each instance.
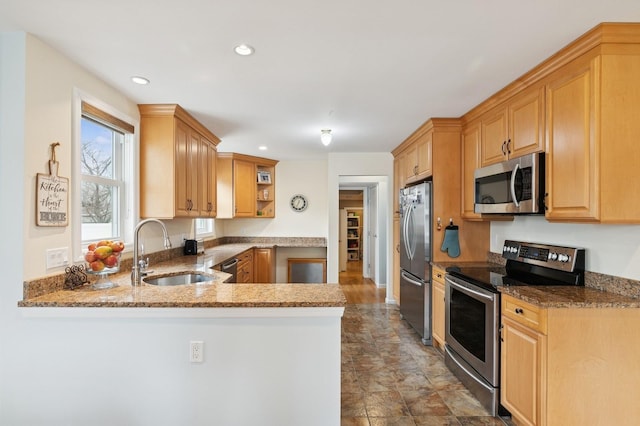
(515, 186)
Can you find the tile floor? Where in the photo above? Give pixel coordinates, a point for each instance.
(390, 378)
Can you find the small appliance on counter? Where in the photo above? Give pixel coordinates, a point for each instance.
(193, 247)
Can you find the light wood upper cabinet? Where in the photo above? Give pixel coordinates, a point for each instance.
(208, 184)
(417, 161)
(470, 158)
(174, 147)
(592, 143)
(242, 181)
(515, 128)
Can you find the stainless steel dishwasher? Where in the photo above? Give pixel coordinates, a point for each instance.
(230, 267)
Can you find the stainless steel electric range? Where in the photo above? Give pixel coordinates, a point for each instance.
(472, 298)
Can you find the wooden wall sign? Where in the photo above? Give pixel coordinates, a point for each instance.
(52, 195)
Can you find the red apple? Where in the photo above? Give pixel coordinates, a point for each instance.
(104, 243)
(97, 266)
(111, 261)
(92, 246)
(90, 256)
(117, 246)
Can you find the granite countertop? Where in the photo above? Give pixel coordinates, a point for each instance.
(552, 296)
(208, 294)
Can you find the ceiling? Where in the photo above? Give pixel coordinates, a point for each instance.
(370, 71)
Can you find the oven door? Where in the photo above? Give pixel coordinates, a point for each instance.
(471, 326)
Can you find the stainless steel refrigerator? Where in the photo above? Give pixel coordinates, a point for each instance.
(415, 258)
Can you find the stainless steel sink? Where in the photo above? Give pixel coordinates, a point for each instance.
(182, 279)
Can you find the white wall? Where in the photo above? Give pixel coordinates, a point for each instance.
(121, 370)
(610, 249)
(48, 98)
(345, 167)
(308, 177)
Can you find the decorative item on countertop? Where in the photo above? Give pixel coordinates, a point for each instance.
(451, 243)
(103, 258)
(52, 195)
(75, 277)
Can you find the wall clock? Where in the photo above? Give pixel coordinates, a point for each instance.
(299, 203)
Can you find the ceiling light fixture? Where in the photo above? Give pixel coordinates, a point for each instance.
(244, 50)
(325, 136)
(140, 80)
(262, 148)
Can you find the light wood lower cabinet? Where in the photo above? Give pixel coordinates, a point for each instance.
(245, 267)
(264, 260)
(437, 306)
(569, 366)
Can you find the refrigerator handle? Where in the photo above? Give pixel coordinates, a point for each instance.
(405, 232)
(410, 279)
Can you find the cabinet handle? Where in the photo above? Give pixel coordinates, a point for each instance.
(509, 146)
(439, 275)
(544, 201)
(519, 310)
(398, 248)
(502, 148)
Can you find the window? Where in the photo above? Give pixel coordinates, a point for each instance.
(104, 199)
(204, 226)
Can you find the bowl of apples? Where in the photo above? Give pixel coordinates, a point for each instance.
(103, 258)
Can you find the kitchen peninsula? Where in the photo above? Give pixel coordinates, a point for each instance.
(271, 351)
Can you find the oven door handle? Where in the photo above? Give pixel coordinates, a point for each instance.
(468, 290)
(411, 280)
(513, 185)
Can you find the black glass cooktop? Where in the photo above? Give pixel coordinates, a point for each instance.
(492, 277)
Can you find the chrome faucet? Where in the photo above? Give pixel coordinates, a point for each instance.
(135, 270)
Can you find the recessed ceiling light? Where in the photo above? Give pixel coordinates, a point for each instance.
(262, 148)
(140, 80)
(244, 50)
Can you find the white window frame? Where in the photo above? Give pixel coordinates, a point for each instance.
(129, 197)
(204, 227)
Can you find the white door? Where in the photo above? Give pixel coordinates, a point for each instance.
(372, 230)
(343, 240)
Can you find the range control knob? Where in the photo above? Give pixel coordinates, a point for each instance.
(553, 256)
(563, 258)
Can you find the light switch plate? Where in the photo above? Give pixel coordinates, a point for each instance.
(57, 257)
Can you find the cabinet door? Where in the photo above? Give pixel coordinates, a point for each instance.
(437, 301)
(423, 152)
(207, 179)
(526, 123)
(494, 136)
(410, 163)
(264, 265)
(520, 380)
(244, 188)
(572, 169)
(470, 162)
(183, 170)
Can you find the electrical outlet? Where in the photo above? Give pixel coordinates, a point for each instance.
(196, 351)
(57, 257)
